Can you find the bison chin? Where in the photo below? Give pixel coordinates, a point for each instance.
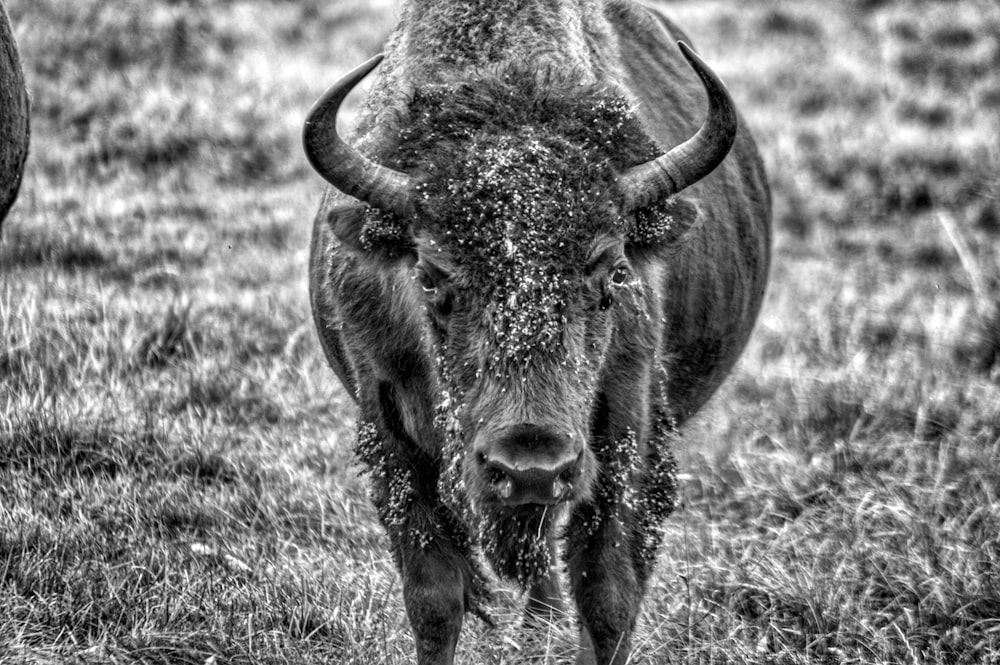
(515, 541)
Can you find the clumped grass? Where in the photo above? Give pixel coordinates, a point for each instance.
(223, 391)
(54, 450)
(863, 562)
(176, 475)
(170, 338)
(34, 247)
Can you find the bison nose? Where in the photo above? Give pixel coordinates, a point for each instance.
(527, 464)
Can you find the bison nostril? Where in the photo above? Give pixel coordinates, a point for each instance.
(559, 488)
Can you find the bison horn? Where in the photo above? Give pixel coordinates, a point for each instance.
(343, 166)
(692, 160)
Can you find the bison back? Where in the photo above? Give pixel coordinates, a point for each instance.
(715, 284)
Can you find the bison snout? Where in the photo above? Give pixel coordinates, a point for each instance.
(527, 464)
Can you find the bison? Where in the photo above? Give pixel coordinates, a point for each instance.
(14, 128)
(544, 251)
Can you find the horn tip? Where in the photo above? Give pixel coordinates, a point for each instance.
(689, 53)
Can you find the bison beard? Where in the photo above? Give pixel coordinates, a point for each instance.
(514, 541)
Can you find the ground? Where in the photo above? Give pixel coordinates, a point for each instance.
(176, 481)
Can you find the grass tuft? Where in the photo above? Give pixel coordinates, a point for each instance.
(170, 338)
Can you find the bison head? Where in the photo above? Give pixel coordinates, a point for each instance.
(530, 234)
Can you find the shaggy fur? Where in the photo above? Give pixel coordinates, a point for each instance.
(14, 127)
(520, 293)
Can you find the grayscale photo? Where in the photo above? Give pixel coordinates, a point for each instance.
(499, 332)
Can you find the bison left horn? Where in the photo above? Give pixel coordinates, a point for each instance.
(344, 167)
(692, 160)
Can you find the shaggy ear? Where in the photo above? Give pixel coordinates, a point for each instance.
(661, 227)
(366, 230)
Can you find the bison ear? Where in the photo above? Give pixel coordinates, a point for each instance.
(366, 230)
(661, 227)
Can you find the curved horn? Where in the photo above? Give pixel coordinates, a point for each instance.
(692, 160)
(344, 167)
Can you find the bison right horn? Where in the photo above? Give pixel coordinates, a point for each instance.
(343, 166)
(692, 160)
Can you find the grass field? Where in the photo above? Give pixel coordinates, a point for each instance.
(176, 481)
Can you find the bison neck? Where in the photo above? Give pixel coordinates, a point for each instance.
(445, 38)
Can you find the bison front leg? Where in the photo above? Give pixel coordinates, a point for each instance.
(612, 543)
(605, 585)
(435, 579)
(430, 547)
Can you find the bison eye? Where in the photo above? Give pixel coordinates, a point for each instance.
(438, 307)
(620, 276)
(430, 277)
(438, 293)
(442, 303)
(426, 283)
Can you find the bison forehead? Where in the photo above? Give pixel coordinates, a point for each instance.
(518, 161)
(520, 200)
(518, 220)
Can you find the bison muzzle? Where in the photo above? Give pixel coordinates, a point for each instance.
(527, 464)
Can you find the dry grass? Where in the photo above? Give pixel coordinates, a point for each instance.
(176, 482)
